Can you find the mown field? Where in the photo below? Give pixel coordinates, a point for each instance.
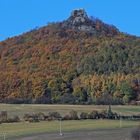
(106, 134)
(23, 130)
(22, 109)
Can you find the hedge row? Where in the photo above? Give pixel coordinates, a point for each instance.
(72, 115)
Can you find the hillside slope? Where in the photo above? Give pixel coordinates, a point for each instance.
(80, 60)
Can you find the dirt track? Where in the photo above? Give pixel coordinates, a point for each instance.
(111, 134)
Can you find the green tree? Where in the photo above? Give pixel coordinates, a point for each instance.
(73, 115)
(109, 112)
(126, 91)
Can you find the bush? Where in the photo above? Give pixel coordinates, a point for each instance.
(16, 101)
(93, 115)
(31, 118)
(67, 117)
(83, 115)
(106, 99)
(54, 115)
(3, 116)
(26, 117)
(67, 99)
(34, 118)
(16, 118)
(102, 114)
(41, 116)
(73, 115)
(41, 100)
(13, 119)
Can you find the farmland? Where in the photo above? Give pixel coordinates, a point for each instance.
(107, 134)
(30, 129)
(72, 129)
(22, 109)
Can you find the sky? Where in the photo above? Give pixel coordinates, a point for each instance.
(19, 16)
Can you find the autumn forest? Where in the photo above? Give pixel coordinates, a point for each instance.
(62, 63)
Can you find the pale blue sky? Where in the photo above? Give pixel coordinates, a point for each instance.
(18, 16)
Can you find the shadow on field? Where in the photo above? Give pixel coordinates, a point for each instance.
(108, 134)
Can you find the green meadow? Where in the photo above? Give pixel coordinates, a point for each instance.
(14, 130)
(62, 109)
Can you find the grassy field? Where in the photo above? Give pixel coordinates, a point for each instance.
(22, 109)
(26, 129)
(104, 134)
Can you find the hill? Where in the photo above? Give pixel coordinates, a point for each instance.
(80, 60)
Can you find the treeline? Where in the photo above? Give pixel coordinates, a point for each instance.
(91, 89)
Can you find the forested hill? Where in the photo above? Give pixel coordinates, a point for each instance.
(81, 60)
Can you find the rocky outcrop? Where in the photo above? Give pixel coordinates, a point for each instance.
(79, 20)
(78, 17)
